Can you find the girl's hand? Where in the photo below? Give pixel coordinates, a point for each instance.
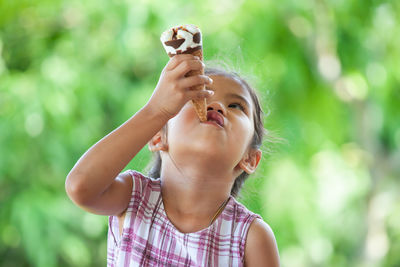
(173, 89)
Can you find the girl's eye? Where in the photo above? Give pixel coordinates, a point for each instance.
(236, 105)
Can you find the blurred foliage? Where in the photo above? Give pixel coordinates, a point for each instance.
(329, 72)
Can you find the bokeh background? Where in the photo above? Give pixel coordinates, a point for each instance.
(329, 75)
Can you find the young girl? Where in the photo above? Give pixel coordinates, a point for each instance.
(185, 213)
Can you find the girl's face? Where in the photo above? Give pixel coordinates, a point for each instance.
(226, 137)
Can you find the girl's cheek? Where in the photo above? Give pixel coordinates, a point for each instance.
(186, 115)
(246, 130)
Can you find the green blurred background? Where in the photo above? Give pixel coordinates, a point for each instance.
(328, 72)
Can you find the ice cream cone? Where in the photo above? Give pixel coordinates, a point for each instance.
(186, 39)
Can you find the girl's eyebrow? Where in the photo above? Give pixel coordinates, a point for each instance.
(239, 97)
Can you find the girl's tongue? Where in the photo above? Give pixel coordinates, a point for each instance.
(215, 116)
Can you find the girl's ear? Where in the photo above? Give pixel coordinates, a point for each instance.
(250, 161)
(157, 143)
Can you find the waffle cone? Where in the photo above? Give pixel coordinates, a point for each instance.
(200, 105)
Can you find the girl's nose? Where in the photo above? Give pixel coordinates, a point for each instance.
(217, 106)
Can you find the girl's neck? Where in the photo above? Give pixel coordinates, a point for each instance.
(192, 194)
(189, 215)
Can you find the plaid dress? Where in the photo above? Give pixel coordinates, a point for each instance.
(150, 239)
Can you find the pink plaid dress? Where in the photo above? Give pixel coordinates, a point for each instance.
(150, 239)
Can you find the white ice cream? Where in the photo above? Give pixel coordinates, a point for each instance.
(186, 32)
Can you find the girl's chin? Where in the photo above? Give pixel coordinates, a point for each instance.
(209, 141)
(204, 138)
(210, 149)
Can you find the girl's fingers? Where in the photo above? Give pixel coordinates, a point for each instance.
(200, 94)
(194, 80)
(186, 66)
(177, 59)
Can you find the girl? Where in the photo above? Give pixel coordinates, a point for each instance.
(186, 214)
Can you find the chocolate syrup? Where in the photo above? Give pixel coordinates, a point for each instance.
(176, 43)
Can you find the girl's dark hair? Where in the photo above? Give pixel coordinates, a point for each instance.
(259, 131)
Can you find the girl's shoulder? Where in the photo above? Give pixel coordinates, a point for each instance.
(140, 180)
(261, 248)
(139, 175)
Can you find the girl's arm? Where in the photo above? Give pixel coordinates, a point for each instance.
(95, 182)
